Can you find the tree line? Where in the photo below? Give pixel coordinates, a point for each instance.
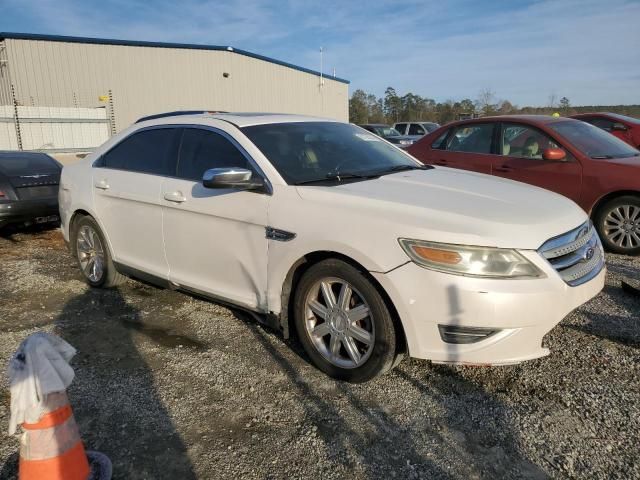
(367, 108)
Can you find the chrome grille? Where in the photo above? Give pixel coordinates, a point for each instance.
(577, 255)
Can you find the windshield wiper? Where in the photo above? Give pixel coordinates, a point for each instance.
(339, 177)
(402, 168)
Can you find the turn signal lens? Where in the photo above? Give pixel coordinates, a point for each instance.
(471, 261)
(2, 195)
(437, 255)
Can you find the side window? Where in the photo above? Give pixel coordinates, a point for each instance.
(439, 143)
(152, 151)
(473, 138)
(523, 141)
(416, 129)
(603, 123)
(203, 149)
(401, 127)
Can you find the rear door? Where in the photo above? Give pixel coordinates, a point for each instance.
(468, 147)
(401, 127)
(215, 239)
(520, 149)
(127, 183)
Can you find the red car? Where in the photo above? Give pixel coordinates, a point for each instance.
(596, 170)
(623, 127)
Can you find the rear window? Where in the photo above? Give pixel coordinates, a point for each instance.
(27, 164)
(592, 141)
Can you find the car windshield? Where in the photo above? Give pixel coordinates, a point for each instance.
(307, 152)
(13, 165)
(592, 141)
(624, 118)
(386, 131)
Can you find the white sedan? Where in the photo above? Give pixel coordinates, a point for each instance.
(324, 229)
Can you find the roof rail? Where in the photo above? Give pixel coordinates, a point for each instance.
(176, 114)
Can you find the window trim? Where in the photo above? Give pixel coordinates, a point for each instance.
(99, 162)
(570, 157)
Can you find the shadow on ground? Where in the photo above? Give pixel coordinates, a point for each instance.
(116, 393)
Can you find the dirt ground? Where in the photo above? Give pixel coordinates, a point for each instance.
(171, 387)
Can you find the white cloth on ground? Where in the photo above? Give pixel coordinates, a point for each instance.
(39, 367)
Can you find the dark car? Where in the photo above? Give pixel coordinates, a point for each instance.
(390, 134)
(623, 127)
(598, 171)
(28, 188)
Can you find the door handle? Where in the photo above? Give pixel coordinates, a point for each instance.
(175, 197)
(102, 185)
(504, 169)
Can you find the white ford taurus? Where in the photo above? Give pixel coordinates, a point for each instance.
(323, 228)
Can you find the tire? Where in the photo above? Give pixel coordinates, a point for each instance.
(86, 236)
(354, 348)
(618, 224)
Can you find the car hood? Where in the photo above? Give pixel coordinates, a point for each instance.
(451, 206)
(397, 138)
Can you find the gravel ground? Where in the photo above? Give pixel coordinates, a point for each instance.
(173, 387)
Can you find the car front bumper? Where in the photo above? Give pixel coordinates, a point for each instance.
(21, 211)
(522, 311)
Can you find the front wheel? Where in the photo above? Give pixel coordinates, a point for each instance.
(618, 224)
(343, 322)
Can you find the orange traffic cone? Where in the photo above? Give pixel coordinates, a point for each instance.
(51, 449)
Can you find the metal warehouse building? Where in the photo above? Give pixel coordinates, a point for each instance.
(69, 94)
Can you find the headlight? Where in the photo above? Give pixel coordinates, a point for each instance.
(471, 261)
(406, 142)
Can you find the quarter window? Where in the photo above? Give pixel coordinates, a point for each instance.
(152, 151)
(203, 149)
(439, 143)
(522, 141)
(474, 138)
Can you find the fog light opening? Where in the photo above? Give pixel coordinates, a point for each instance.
(464, 335)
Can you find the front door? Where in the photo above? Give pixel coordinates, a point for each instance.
(215, 238)
(127, 183)
(520, 158)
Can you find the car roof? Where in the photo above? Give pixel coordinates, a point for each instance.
(239, 119)
(534, 119)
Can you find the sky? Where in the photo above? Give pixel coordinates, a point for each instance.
(524, 51)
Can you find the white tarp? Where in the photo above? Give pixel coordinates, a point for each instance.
(39, 367)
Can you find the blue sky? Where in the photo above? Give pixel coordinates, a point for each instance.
(525, 51)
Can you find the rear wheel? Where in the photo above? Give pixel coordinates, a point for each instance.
(92, 254)
(618, 223)
(343, 322)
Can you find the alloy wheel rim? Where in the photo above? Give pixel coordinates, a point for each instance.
(622, 226)
(90, 253)
(339, 323)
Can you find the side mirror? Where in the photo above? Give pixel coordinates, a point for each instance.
(239, 178)
(620, 127)
(554, 154)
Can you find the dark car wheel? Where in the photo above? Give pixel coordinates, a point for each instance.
(93, 256)
(618, 224)
(343, 322)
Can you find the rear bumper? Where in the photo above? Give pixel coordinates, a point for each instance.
(21, 211)
(522, 311)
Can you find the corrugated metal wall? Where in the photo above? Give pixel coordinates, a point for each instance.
(147, 80)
